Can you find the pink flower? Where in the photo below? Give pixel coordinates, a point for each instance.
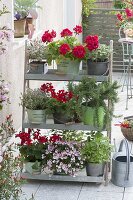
(129, 13)
(119, 17)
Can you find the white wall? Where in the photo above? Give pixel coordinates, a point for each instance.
(52, 16)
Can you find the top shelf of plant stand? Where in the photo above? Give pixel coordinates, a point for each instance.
(53, 75)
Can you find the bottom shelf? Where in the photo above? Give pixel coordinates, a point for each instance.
(79, 178)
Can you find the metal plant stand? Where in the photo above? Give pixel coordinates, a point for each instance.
(52, 76)
(127, 71)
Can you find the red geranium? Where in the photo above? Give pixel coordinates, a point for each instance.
(129, 13)
(92, 42)
(64, 49)
(119, 17)
(48, 36)
(66, 32)
(78, 29)
(79, 51)
(55, 138)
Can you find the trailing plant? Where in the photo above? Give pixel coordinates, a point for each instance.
(97, 148)
(86, 6)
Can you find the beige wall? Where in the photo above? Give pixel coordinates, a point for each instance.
(12, 64)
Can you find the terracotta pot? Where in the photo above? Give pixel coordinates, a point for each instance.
(19, 27)
(28, 21)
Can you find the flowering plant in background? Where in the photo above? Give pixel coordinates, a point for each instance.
(32, 145)
(61, 101)
(125, 18)
(67, 47)
(62, 156)
(6, 128)
(6, 35)
(126, 124)
(4, 91)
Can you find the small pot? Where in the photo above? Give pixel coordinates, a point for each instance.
(95, 169)
(36, 116)
(33, 167)
(38, 67)
(97, 68)
(61, 118)
(19, 27)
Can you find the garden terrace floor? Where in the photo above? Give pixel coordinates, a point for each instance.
(46, 190)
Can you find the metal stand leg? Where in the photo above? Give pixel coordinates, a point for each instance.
(129, 81)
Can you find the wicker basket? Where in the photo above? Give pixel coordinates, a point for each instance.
(128, 133)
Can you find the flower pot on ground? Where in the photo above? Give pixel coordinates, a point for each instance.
(35, 101)
(97, 56)
(65, 51)
(63, 104)
(96, 151)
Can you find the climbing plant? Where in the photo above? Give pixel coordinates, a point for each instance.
(86, 6)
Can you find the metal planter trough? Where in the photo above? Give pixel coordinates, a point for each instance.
(122, 167)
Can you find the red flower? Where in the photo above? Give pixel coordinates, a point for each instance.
(64, 49)
(79, 51)
(66, 32)
(92, 42)
(129, 13)
(47, 87)
(77, 29)
(119, 17)
(48, 36)
(55, 138)
(42, 139)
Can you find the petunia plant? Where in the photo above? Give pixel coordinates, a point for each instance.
(68, 47)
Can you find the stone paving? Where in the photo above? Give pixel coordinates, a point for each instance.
(46, 190)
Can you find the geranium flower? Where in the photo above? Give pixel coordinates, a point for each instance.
(119, 17)
(78, 29)
(64, 49)
(92, 42)
(129, 13)
(79, 51)
(66, 32)
(48, 36)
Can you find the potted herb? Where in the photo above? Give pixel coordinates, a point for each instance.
(67, 52)
(37, 53)
(96, 151)
(63, 104)
(24, 8)
(97, 56)
(32, 146)
(93, 96)
(35, 102)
